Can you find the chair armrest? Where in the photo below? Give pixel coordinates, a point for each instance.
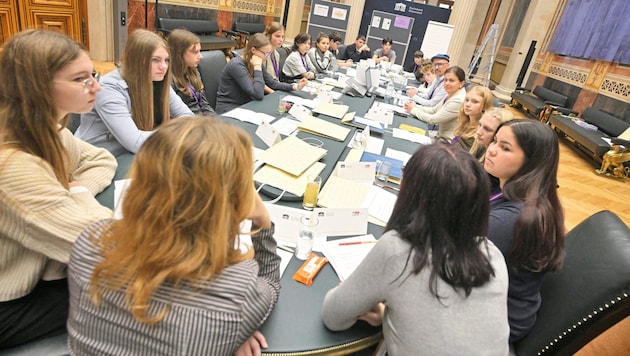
(243, 32)
(230, 33)
(566, 111)
(620, 141)
(553, 104)
(522, 89)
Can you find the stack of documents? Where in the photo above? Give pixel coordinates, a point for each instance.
(323, 128)
(334, 110)
(292, 155)
(345, 255)
(357, 121)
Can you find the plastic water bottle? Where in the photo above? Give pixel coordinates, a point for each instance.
(390, 93)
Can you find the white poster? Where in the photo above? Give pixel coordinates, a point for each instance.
(386, 24)
(376, 21)
(339, 14)
(320, 10)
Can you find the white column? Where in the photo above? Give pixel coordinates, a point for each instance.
(535, 26)
(354, 20)
(294, 20)
(461, 17)
(101, 31)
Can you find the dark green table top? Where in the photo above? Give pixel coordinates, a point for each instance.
(294, 326)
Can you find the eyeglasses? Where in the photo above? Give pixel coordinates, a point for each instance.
(87, 83)
(438, 65)
(267, 54)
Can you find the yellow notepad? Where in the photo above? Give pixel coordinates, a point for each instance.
(324, 128)
(292, 155)
(412, 129)
(334, 110)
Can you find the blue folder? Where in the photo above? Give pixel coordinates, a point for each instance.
(397, 164)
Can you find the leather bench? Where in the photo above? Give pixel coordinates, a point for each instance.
(588, 140)
(541, 102)
(207, 30)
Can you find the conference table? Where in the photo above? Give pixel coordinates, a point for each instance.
(294, 327)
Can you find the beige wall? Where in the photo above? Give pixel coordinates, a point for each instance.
(101, 32)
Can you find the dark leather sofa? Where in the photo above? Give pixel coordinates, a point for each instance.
(539, 102)
(207, 30)
(587, 140)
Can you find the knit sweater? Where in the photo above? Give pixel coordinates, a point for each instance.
(39, 218)
(415, 321)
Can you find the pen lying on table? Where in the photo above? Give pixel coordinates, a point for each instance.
(357, 243)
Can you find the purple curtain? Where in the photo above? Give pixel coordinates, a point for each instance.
(594, 29)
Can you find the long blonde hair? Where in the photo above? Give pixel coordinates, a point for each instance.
(501, 115)
(467, 125)
(179, 41)
(136, 71)
(191, 187)
(28, 113)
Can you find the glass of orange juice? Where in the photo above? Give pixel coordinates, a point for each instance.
(313, 183)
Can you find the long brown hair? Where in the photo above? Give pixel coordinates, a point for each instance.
(191, 187)
(467, 125)
(136, 71)
(28, 113)
(256, 41)
(538, 243)
(180, 41)
(272, 28)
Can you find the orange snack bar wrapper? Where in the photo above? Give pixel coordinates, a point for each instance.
(309, 269)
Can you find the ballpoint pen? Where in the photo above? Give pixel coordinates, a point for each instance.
(356, 242)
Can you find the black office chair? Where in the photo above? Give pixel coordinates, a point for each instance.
(342, 51)
(241, 31)
(283, 52)
(74, 122)
(589, 294)
(210, 69)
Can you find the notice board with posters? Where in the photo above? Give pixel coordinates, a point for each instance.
(421, 14)
(388, 25)
(326, 17)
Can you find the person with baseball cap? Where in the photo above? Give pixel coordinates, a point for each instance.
(436, 93)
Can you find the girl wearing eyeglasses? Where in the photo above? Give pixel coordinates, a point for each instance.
(48, 179)
(136, 98)
(186, 55)
(243, 79)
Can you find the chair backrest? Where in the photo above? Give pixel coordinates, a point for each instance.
(208, 27)
(589, 294)
(342, 51)
(210, 68)
(283, 52)
(74, 122)
(249, 27)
